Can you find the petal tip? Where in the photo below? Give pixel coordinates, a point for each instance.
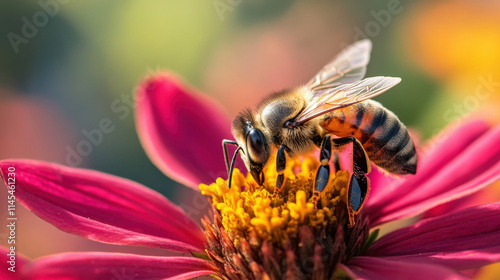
(152, 82)
(179, 129)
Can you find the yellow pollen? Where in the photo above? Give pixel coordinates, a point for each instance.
(301, 209)
(248, 207)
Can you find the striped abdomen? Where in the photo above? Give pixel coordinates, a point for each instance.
(384, 138)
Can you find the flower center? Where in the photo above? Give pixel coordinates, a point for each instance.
(310, 232)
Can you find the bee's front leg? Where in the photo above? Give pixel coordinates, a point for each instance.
(280, 169)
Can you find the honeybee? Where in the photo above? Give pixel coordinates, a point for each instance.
(332, 110)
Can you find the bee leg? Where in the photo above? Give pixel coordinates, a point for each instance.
(280, 169)
(359, 185)
(357, 193)
(359, 157)
(225, 142)
(323, 173)
(230, 166)
(336, 162)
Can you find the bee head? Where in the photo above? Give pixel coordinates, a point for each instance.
(256, 150)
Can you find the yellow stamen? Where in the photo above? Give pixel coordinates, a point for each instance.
(248, 207)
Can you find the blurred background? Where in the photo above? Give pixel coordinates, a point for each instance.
(64, 63)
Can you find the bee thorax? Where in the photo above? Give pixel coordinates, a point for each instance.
(298, 139)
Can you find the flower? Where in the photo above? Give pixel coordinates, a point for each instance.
(251, 235)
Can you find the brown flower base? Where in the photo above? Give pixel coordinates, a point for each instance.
(313, 254)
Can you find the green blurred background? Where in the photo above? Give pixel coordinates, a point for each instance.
(62, 78)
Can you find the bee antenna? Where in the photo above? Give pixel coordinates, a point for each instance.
(231, 168)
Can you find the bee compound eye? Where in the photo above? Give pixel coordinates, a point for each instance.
(256, 146)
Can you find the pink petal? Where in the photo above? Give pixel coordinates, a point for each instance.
(379, 180)
(465, 162)
(464, 239)
(108, 266)
(484, 196)
(15, 260)
(181, 131)
(102, 207)
(380, 268)
(441, 151)
(461, 203)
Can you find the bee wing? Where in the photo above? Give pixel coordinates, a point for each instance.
(327, 100)
(347, 67)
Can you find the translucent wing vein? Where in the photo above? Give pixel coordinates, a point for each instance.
(327, 100)
(346, 67)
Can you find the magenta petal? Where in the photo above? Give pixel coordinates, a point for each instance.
(106, 266)
(462, 240)
(102, 207)
(379, 268)
(379, 180)
(458, 204)
(11, 264)
(465, 162)
(441, 152)
(182, 132)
